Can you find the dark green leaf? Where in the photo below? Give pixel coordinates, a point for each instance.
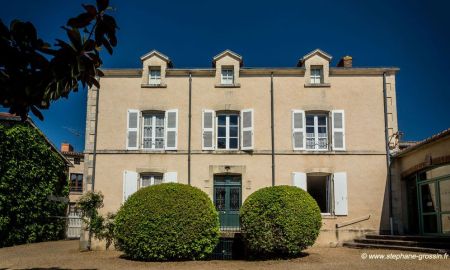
(102, 5)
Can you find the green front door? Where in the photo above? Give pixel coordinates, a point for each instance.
(228, 200)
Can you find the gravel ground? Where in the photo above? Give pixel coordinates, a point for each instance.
(64, 255)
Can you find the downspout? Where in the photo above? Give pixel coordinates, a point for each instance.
(189, 128)
(272, 128)
(388, 155)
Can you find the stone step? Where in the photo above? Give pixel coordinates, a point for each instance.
(395, 247)
(396, 242)
(418, 238)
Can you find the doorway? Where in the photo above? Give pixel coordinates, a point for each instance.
(228, 200)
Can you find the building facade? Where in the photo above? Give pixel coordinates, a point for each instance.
(231, 130)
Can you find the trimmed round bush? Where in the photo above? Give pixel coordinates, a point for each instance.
(167, 222)
(279, 221)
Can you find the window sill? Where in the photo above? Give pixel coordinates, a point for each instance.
(317, 85)
(153, 86)
(237, 85)
(327, 216)
(75, 192)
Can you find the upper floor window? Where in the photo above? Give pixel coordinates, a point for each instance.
(150, 179)
(227, 76)
(76, 160)
(76, 182)
(316, 131)
(228, 131)
(153, 131)
(316, 75)
(154, 76)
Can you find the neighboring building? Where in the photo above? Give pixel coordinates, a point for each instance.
(421, 187)
(212, 128)
(76, 182)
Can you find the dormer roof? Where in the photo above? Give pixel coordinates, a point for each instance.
(229, 53)
(319, 52)
(159, 54)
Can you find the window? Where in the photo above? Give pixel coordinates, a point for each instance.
(316, 132)
(319, 188)
(154, 76)
(150, 179)
(316, 75)
(76, 160)
(227, 77)
(228, 131)
(76, 182)
(153, 131)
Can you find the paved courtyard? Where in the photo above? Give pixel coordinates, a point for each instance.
(64, 255)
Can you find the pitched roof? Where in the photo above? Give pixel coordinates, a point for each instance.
(227, 52)
(159, 54)
(417, 145)
(15, 118)
(312, 53)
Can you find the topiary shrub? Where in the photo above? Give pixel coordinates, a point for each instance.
(279, 221)
(167, 222)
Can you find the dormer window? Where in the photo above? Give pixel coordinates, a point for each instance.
(227, 77)
(154, 76)
(316, 74)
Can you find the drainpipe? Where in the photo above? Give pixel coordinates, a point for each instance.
(388, 155)
(272, 128)
(189, 128)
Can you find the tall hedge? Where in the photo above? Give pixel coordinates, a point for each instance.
(29, 172)
(279, 221)
(167, 222)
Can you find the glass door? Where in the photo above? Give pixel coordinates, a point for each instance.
(228, 200)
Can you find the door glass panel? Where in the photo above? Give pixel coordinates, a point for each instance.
(428, 198)
(220, 198)
(444, 192)
(430, 223)
(235, 198)
(445, 223)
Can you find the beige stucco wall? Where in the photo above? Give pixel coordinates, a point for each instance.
(364, 160)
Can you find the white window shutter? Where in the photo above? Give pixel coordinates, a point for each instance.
(208, 127)
(298, 130)
(247, 126)
(130, 184)
(171, 129)
(299, 180)
(340, 194)
(338, 130)
(132, 129)
(170, 177)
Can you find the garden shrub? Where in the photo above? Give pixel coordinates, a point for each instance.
(30, 172)
(167, 222)
(279, 221)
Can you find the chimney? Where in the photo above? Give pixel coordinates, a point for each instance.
(66, 147)
(346, 62)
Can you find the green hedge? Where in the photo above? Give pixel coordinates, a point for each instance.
(29, 172)
(279, 221)
(167, 222)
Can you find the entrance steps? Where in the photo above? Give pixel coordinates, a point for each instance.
(415, 243)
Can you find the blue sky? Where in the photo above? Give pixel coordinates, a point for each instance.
(412, 35)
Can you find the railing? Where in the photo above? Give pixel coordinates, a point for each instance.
(76, 189)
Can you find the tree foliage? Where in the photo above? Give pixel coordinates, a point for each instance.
(167, 222)
(29, 173)
(33, 73)
(279, 221)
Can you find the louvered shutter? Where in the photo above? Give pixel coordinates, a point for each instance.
(298, 130)
(130, 184)
(247, 124)
(299, 180)
(132, 129)
(338, 129)
(171, 129)
(340, 194)
(208, 117)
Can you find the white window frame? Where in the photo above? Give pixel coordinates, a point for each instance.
(153, 126)
(316, 76)
(154, 76)
(227, 131)
(227, 76)
(152, 178)
(316, 132)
